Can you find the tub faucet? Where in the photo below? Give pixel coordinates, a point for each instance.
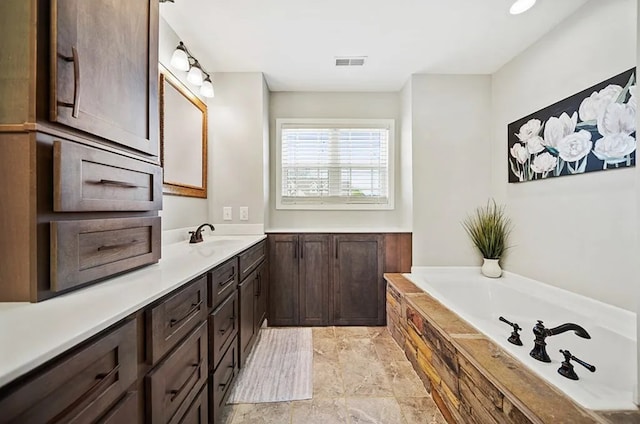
(196, 236)
(539, 350)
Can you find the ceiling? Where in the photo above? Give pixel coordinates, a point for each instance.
(295, 42)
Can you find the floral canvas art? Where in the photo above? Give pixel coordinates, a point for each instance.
(594, 130)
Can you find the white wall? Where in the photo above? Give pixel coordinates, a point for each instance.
(405, 153)
(356, 105)
(179, 211)
(451, 164)
(576, 232)
(237, 143)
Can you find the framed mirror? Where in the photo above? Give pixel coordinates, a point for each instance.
(183, 138)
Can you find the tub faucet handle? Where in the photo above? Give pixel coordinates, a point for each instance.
(515, 336)
(566, 369)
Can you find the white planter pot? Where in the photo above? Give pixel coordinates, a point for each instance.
(491, 268)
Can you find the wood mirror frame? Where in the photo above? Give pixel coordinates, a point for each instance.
(183, 138)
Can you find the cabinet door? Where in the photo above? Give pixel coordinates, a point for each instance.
(358, 285)
(247, 320)
(314, 279)
(260, 290)
(283, 281)
(104, 65)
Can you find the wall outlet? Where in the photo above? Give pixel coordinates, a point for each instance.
(244, 213)
(227, 213)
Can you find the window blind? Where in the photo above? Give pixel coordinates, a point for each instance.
(334, 165)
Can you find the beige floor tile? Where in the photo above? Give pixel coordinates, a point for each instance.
(388, 350)
(325, 350)
(404, 380)
(379, 332)
(323, 332)
(421, 410)
(226, 417)
(262, 413)
(365, 379)
(356, 350)
(374, 411)
(327, 380)
(352, 332)
(319, 411)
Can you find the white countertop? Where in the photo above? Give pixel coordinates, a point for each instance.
(33, 333)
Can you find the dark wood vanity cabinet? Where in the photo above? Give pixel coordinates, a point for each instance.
(358, 285)
(104, 80)
(300, 288)
(333, 279)
(252, 293)
(95, 382)
(78, 141)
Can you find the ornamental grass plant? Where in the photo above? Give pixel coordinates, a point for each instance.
(489, 229)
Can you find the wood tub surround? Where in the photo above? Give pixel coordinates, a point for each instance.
(471, 379)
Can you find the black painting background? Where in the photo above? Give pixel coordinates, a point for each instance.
(569, 105)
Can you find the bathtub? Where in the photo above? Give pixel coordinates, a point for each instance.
(612, 347)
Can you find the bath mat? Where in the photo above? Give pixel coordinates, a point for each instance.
(279, 369)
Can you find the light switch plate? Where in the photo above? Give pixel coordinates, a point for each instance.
(227, 213)
(244, 213)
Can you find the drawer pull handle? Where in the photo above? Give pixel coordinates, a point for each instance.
(176, 392)
(226, 282)
(116, 246)
(75, 58)
(224, 330)
(101, 380)
(194, 308)
(221, 386)
(117, 183)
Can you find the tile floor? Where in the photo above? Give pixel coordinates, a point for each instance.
(360, 375)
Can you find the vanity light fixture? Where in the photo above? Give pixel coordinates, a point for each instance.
(183, 60)
(521, 6)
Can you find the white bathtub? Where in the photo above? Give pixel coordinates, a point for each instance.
(612, 347)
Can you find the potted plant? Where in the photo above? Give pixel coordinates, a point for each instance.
(489, 230)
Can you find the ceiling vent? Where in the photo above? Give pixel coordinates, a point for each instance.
(350, 61)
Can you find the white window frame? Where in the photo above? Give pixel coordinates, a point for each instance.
(353, 123)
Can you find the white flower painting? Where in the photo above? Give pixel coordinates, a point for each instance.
(593, 130)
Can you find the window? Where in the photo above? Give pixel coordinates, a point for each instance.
(334, 164)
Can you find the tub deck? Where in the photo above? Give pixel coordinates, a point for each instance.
(471, 378)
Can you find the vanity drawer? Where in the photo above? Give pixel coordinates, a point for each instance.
(174, 317)
(222, 380)
(125, 411)
(87, 250)
(79, 388)
(197, 412)
(178, 378)
(251, 258)
(223, 281)
(88, 179)
(223, 328)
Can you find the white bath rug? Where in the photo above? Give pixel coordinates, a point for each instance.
(279, 369)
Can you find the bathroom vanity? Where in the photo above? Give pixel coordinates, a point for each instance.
(162, 344)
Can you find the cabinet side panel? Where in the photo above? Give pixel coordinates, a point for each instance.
(17, 216)
(17, 32)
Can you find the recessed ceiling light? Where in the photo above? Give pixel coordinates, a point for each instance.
(521, 6)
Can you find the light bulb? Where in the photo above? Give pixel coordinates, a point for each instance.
(195, 75)
(521, 6)
(207, 88)
(180, 59)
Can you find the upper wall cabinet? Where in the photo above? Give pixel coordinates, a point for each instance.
(104, 75)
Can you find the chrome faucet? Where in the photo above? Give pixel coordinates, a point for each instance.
(539, 350)
(196, 236)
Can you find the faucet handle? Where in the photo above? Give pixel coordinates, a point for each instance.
(566, 369)
(515, 336)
